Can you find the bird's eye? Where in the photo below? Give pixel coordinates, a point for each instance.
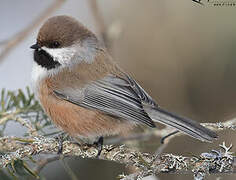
(54, 44)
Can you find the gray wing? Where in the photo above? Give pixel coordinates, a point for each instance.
(121, 97)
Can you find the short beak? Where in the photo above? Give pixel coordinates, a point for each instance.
(35, 46)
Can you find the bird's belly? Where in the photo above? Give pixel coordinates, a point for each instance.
(79, 121)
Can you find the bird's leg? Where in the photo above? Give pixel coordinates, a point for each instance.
(167, 136)
(61, 138)
(99, 144)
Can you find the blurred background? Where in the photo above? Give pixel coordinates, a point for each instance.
(182, 53)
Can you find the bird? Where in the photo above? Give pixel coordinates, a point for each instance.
(84, 91)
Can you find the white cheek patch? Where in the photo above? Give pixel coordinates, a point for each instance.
(62, 55)
(69, 56)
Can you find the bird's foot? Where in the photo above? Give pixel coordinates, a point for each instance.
(167, 136)
(99, 144)
(60, 139)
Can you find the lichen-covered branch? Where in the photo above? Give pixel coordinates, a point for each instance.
(230, 125)
(146, 164)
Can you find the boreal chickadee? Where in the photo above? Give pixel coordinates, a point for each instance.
(86, 93)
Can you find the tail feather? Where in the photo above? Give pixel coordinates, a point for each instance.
(185, 125)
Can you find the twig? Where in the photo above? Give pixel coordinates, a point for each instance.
(16, 39)
(8, 144)
(9, 115)
(32, 131)
(14, 116)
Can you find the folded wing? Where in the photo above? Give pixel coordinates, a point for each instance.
(112, 95)
(124, 98)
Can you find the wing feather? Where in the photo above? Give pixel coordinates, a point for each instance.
(112, 95)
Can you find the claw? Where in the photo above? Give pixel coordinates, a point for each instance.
(99, 144)
(167, 136)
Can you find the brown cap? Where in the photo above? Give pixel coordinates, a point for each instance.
(62, 31)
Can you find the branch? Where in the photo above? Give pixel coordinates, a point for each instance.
(230, 124)
(146, 164)
(16, 39)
